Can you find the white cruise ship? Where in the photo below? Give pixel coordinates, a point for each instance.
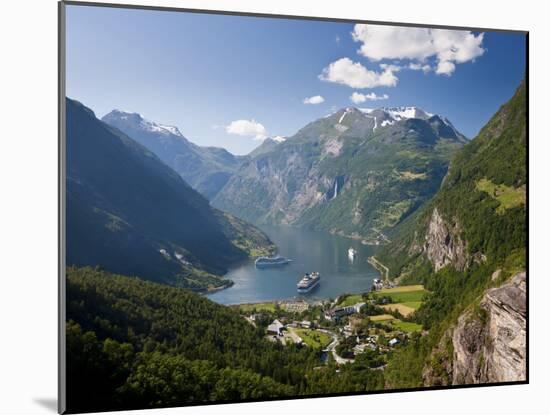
(308, 282)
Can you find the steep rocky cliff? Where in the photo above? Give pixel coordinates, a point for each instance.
(462, 245)
(443, 244)
(490, 342)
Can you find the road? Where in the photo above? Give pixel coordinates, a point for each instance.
(380, 267)
(331, 348)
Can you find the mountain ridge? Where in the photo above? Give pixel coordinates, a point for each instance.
(323, 176)
(206, 169)
(132, 214)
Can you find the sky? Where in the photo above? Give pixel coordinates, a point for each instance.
(232, 81)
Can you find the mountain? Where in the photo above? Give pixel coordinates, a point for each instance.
(468, 247)
(267, 145)
(356, 172)
(206, 169)
(130, 213)
(479, 212)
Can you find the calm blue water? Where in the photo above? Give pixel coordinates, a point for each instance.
(310, 251)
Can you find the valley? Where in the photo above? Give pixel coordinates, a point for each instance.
(435, 224)
(309, 251)
(290, 208)
(130, 213)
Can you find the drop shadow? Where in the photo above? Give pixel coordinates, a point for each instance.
(48, 403)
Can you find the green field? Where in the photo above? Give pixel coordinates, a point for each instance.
(391, 321)
(403, 289)
(509, 197)
(250, 308)
(412, 304)
(405, 294)
(405, 326)
(382, 317)
(352, 300)
(314, 338)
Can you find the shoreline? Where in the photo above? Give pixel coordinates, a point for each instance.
(381, 268)
(211, 292)
(279, 301)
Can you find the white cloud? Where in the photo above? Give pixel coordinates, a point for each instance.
(353, 74)
(359, 98)
(415, 66)
(247, 128)
(445, 68)
(316, 99)
(390, 67)
(447, 47)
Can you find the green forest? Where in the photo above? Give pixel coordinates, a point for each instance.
(496, 230)
(140, 344)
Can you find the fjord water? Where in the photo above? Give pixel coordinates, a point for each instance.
(309, 251)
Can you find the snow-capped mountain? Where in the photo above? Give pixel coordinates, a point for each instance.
(375, 118)
(145, 124)
(399, 113)
(205, 168)
(355, 172)
(389, 115)
(279, 139)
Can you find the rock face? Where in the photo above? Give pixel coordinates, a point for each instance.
(356, 173)
(439, 371)
(443, 245)
(490, 343)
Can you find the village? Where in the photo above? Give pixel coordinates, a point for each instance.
(373, 323)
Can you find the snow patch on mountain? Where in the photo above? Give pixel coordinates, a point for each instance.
(344, 115)
(399, 113)
(366, 110)
(144, 123)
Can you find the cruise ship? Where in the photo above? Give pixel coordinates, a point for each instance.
(267, 262)
(308, 282)
(351, 254)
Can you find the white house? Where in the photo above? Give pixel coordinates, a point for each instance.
(276, 327)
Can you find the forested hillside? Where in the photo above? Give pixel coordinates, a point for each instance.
(130, 213)
(134, 344)
(470, 238)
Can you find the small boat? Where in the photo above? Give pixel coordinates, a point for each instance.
(268, 262)
(308, 282)
(352, 253)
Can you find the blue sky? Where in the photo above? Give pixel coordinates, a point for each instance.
(204, 72)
